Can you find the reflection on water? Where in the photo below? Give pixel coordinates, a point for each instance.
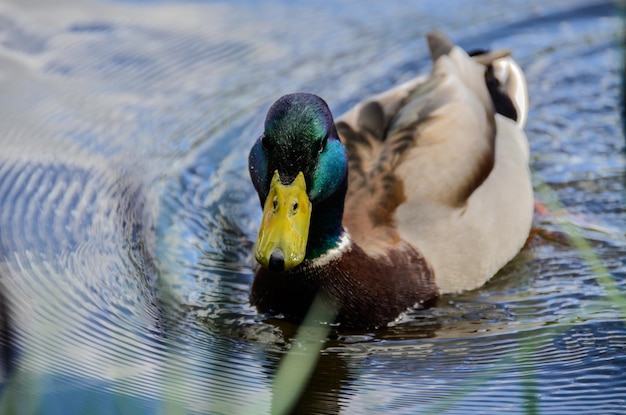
(127, 218)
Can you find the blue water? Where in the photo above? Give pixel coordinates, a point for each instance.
(127, 217)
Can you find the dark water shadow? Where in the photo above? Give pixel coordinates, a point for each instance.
(7, 347)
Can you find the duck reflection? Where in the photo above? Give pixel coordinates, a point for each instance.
(334, 379)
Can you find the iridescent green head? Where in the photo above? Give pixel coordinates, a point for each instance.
(299, 169)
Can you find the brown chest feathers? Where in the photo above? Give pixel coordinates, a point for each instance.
(365, 292)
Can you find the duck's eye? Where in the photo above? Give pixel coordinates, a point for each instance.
(323, 145)
(264, 141)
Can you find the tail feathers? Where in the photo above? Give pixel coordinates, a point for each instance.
(506, 84)
(504, 77)
(439, 44)
(512, 83)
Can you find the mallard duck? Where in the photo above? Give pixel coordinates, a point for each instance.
(420, 191)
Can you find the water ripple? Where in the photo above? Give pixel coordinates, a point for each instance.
(127, 217)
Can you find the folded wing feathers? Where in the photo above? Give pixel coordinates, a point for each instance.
(408, 126)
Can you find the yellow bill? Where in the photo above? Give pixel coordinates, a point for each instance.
(281, 244)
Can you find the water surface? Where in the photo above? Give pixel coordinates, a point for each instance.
(127, 217)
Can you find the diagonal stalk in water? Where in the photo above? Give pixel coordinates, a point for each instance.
(527, 348)
(298, 364)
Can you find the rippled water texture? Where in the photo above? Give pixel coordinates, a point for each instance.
(127, 217)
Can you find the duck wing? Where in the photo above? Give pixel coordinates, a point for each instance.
(441, 163)
(430, 139)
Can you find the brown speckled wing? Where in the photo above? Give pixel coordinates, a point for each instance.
(374, 191)
(430, 141)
